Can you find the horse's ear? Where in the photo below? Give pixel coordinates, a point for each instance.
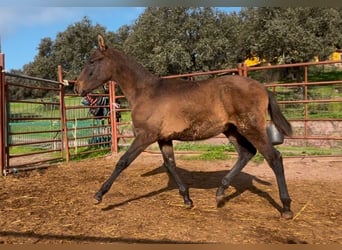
(101, 42)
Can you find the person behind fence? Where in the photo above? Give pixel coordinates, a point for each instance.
(117, 105)
(100, 112)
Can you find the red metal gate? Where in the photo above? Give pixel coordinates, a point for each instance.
(42, 123)
(313, 122)
(30, 126)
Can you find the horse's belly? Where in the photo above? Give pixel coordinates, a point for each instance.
(199, 131)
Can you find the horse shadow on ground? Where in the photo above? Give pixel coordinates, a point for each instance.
(206, 180)
(80, 238)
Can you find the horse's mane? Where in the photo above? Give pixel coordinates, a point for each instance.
(135, 66)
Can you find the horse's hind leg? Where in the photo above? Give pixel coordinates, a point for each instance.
(275, 161)
(245, 151)
(166, 148)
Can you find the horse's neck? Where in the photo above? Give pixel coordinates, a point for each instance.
(135, 87)
(134, 79)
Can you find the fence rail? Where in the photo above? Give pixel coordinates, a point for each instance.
(31, 125)
(303, 125)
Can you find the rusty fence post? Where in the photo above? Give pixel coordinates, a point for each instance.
(245, 70)
(63, 121)
(306, 104)
(2, 115)
(239, 68)
(113, 123)
(242, 69)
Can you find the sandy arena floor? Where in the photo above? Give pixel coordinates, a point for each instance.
(56, 205)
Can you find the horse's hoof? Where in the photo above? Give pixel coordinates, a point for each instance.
(188, 204)
(287, 215)
(220, 200)
(98, 198)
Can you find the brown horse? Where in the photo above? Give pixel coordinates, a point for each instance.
(172, 109)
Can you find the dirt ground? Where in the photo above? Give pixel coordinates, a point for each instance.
(55, 205)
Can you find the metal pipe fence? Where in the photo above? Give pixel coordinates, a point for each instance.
(317, 121)
(43, 122)
(31, 121)
(84, 132)
(313, 107)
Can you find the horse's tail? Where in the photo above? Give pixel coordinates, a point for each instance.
(277, 117)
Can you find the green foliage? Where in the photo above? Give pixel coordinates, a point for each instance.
(289, 35)
(178, 40)
(181, 39)
(70, 49)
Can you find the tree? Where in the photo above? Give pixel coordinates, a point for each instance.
(181, 40)
(325, 25)
(43, 65)
(178, 40)
(288, 35)
(70, 50)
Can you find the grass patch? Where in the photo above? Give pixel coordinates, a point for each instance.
(200, 146)
(258, 158)
(311, 151)
(209, 152)
(17, 150)
(320, 75)
(206, 152)
(85, 153)
(208, 156)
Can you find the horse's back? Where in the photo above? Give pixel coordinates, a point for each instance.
(237, 83)
(214, 96)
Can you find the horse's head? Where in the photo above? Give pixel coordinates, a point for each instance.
(96, 71)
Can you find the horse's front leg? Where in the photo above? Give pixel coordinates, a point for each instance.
(140, 143)
(166, 148)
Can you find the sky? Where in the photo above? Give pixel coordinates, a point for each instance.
(22, 28)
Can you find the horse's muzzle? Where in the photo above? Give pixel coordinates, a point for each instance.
(78, 90)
